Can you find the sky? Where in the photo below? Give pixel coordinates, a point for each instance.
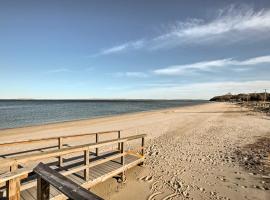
(133, 49)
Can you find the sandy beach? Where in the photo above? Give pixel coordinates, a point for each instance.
(208, 151)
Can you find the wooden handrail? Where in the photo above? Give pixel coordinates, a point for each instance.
(24, 171)
(55, 138)
(48, 176)
(13, 178)
(19, 173)
(59, 152)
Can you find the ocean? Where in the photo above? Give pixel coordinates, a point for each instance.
(21, 113)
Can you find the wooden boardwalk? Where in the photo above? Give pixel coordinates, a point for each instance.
(86, 170)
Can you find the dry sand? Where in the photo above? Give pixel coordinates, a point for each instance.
(209, 151)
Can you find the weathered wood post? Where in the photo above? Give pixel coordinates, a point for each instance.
(86, 162)
(43, 189)
(97, 140)
(123, 177)
(119, 136)
(142, 151)
(13, 186)
(60, 145)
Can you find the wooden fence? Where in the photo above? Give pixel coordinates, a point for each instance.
(17, 173)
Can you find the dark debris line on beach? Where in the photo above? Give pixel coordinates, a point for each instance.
(255, 158)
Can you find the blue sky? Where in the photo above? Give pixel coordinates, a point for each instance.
(133, 49)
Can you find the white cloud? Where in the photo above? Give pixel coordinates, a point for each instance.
(255, 61)
(236, 23)
(59, 70)
(211, 65)
(204, 90)
(123, 47)
(131, 74)
(231, 24)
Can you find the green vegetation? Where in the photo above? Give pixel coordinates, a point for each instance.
(243, 97)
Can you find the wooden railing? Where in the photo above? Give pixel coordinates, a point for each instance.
(60, 141)
(48, 176)
(13, 178)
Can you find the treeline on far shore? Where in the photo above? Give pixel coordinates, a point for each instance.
(242, 97)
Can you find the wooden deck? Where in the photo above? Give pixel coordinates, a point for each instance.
(77, 163)
(98, 174)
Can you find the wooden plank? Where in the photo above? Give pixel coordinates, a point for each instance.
(62, 183)
(100, 173)
(33, 191)
(104, 177)
(19, 173)
(119, 136)
(105, 170)
(123, 177)
(122, 151)
(77, 178)
(60, 145)
(86, 163)
(13, 189)
(54, 192)
(81, 168)
(92, 164)
(97, 140)
(55, 153)
(43, 189)
(77, 169)
(53, 138)
(13, 185)
(142, 151)
(113, 173)
(27, 195)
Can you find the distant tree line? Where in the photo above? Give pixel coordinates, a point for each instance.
(242, 97)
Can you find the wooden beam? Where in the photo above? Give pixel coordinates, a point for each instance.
(23, 173)
(142, 151)
(63, 184)
(53, 138)
(86, 163)
(13, 186)
(112, 174)
(20, 173)
(119, 136)
(58, 152)
(43, 189)
(122, 151)
(97, 140)
(105, 177)
(77, 169)
(14, 182)
(60, 145)
(122, 174)
(13, 189)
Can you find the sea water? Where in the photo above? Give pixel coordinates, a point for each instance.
(21, 113)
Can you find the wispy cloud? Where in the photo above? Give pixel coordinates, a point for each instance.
(210, 65)
(232, 23)
(131, 74)
(204, 90)
(58, 70)
(123, 47)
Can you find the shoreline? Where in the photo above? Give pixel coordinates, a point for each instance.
(101, 118)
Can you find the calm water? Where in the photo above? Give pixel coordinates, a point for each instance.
(19, 113)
